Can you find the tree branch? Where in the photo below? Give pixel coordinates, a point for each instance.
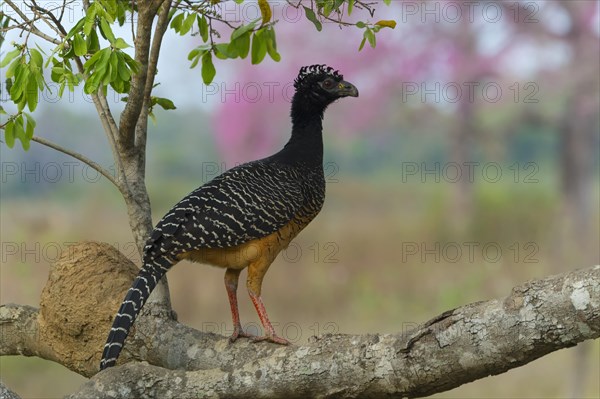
(133, 108)
(6, 393)
(142, 123)
(20, 333)
(456, 347)
(98, 168)
(32, 28)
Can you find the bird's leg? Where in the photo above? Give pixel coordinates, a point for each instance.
(254, 284)
(231, 284)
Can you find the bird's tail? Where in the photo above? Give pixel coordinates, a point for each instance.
(137, 295)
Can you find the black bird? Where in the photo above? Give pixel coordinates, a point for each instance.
(244, 217)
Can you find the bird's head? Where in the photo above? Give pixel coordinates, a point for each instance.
(320, 85)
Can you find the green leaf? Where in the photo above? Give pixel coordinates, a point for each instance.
(272, 45)
(110, 7)
(200, 50)
(242, 45)
(61, 88)
(90, 19)
(177, 21)
(310, 15)
(327, 7)
(370, 36)
(259, 48)
(32, 94)
(106, 31)
(361, 25)
(203, 27)
(244, 29)
(208, 69)
(12, 69)
(9, 134)
(197, 53)
(9, 57)
(122, 67)
(93, 59)
(79, 45)
(39, 78)
(187, 24)
(228, 50)
(134, 66)
(362, 43)
(120, 44)
(57, 74)
(19, 86)
(26, 138)
(165, 103)
(93, 44)
(387, 2)
(30, 121)
(350, 7)
(76, 28)
(92, 83)
(114, 66)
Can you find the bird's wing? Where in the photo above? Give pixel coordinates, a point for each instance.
(247, 202)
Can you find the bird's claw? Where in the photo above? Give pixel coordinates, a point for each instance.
(272, 338)
(239, 334)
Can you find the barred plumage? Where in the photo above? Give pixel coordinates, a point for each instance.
(262, 204)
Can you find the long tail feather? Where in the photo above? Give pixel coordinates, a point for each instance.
(135, 299)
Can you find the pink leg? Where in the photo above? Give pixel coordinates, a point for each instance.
(231, 284)
(264, 319)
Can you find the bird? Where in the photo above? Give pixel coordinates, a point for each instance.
(244, 217)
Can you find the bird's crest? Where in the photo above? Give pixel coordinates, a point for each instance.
(310, 71)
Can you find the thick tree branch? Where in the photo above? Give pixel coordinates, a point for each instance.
(79, 157)
(6, 393)
(456, 347)
(20, 333)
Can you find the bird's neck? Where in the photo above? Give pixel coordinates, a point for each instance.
(306, 143)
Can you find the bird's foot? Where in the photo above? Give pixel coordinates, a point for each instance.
(272, 338)
(239, 333)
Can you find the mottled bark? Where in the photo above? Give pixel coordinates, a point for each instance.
(6, 393)
(456, 347)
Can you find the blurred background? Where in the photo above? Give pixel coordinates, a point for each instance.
(468, 165)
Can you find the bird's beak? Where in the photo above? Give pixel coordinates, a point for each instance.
(346, 89)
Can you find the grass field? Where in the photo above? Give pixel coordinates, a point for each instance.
(381, 257)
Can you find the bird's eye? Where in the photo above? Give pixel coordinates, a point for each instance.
(328, 84)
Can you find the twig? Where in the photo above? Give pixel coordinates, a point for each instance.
(32, 27)
(58, 28)
(39, 11)
(112, 131)
(78, 156)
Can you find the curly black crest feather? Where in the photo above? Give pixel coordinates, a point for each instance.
(307, 73)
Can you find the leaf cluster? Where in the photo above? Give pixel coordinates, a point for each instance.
(90, 53)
